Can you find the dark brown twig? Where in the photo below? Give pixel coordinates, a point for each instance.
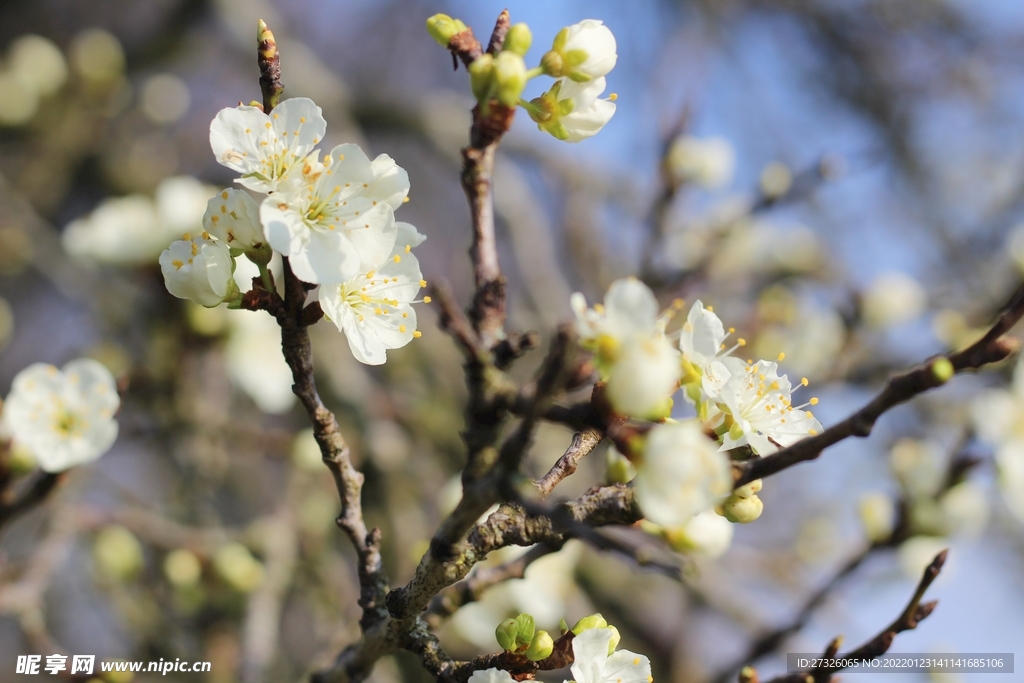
(33, 494)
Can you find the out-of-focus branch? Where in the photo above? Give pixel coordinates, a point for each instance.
(14, 504)
(991, 348)
(912, 614)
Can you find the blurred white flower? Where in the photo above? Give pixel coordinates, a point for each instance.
(629, 309)
(255, 362)
(707, 534)
(643, 377)
(877, 516)
(491, 676)
(682, 473)
(263, 148)
(593, 663)
(706, 162)
(917, 552)
(918, 466)
(965, 509)
(893, 298)
(64, 417)
(336, 219)
(374, 309)
(40, 61)
(134, 230)
(198, 269)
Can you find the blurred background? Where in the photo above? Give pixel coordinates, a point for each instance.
(843, 180)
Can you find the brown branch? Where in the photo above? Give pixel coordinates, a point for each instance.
(583, 443)
(912, 615)
(991, 348)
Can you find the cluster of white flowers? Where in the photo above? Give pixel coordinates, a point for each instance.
(998, 416)
(580, 57)
(683, 466)
(62, 417)
(333, 219)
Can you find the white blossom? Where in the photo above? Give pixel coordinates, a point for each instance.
(491, 676)
(681, 474)
(374, 309)
(643, 377)
(64, 417)
(336, 219)
(757, 401)
(573, 111)
(893, 298)
(587, 50)
(702, 335)
(266, 148)
(233, 217)
(592, 663)
(254, 361)
(199, 269)
(629, 310)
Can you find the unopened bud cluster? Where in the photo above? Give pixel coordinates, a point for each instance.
(580, 57)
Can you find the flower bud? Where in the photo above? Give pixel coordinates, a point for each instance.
(551, 62)
(117, 553)
(509, 77)
(943, 369)
(541, 647)
(563, 627)
(518, 39)
(742, 510)
(199, 269)
(619, 470)
(593, 621)
(527, 628)
(481, 77)
(614, 642)
(506, 634)
(443, 28)
(747, 490)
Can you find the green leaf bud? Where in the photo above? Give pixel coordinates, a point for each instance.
(481, 77)
(527, 628)
(506, 634)
(509, 77)
(943, 369)
(442, 28)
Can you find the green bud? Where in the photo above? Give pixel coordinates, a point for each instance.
(117, 554)
(943, 369)
(509, 77)
(563, 627)
(527, 629)
(506, 634)
(260, 255)
(747, 490)
(593, 621)
(552, 64)
(614, 642)
(442, 28)
(481, 77)
(518, 39)
(618, 469)
(541, 647)
(742, 510)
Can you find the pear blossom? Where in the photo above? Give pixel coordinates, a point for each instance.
(643, 377)
(594, 663)
(199, 269)
(374, 309)
(681, 473)
(491, 676)
(266, 148)
(233, 217)
(64, 417)
(336, 219)
(583, 51)
(757, 401)
(573, 111)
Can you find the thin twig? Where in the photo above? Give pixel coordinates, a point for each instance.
(583, 442)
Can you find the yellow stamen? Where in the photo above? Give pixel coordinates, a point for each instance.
(417, 334)
(427, 299)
